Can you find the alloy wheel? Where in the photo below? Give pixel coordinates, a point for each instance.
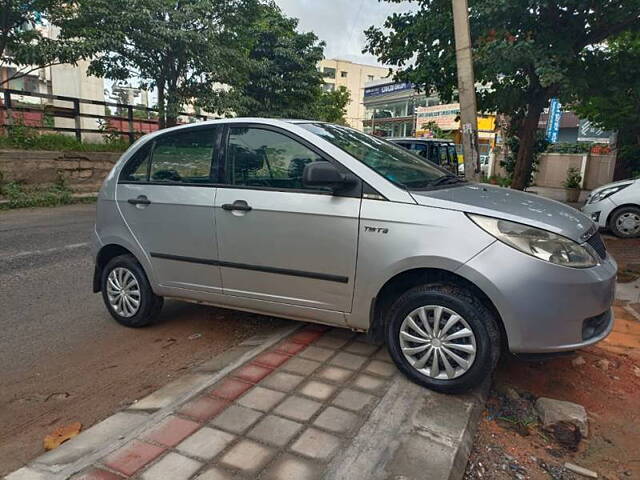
(123, 292)
(437, 342)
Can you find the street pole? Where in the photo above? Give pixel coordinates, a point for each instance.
(466, 90)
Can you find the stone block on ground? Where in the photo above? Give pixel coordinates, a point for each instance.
(553, 411)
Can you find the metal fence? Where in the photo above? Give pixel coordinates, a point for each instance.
(42, 116)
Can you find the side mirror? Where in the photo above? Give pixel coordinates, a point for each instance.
(325, 174)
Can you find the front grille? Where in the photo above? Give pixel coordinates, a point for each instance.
(598, 245)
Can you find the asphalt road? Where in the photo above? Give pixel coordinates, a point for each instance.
(62, 357)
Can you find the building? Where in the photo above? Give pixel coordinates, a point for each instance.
(343, 73)
(66, 80)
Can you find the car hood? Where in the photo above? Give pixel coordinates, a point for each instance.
(613, 184)
(511, 205)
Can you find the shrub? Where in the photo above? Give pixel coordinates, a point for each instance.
(573, 178)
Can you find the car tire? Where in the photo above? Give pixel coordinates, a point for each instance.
(471, 358)
(617, 222)
(127, 293)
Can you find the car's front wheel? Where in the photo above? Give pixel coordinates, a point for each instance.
(127, 293)
(443, 338)
(625, 223)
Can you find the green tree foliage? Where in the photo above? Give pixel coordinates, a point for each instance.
(609, 95)
(22, 45)
(282, 79)
(181, 48)
(332, 106)
(525, 53)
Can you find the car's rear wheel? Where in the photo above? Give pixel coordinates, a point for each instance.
(127, 293)
(443, 338)
(625, 223)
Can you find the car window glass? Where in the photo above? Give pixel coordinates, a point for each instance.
(184, 156)
(137, 168)
(263, 158)
(421, 149)
(443, 155)
(434, 154)
(452, 153)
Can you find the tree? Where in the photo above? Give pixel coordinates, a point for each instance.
(22, 44)
(282, 76)
(184, 49)
(525, 53)
(332, 106)
(609, 96)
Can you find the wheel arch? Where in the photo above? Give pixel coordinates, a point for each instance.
(617, 209)
(105, 254)
(403, 281)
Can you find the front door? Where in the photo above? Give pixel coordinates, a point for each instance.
(166, 195)
(279, 241)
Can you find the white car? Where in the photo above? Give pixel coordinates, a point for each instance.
(616, 206)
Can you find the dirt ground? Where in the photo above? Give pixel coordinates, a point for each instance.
(605, 379)
(123, 370)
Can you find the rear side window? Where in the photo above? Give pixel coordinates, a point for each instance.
(184, 157)
(137, 168)
(262, 158)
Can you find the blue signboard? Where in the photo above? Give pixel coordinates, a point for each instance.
(553, 122)
(387, 89)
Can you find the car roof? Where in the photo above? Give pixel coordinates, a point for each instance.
(419, 139)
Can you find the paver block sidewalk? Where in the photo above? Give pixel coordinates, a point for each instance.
(303, 408)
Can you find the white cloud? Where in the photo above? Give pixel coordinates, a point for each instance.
(341, 23)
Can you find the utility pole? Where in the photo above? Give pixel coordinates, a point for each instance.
(466, 90)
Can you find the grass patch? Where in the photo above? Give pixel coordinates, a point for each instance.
(21, 196)
(57, 142)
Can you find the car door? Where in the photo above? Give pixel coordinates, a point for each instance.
(166, 195)
(279, 241)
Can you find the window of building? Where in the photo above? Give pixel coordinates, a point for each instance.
(344, 74)
(267, 159)
(328, 87)
(184, 156)
(370, 78)
(329, 72)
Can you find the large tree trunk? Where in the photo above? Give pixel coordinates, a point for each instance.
(527, 140)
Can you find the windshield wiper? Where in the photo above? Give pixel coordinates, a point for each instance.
(447, 180)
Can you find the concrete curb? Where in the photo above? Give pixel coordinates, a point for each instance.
(117, 430)
(413, 431)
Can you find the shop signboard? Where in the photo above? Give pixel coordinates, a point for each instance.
(589, 132)
(553, 122)
(446, 117)
(387, 89)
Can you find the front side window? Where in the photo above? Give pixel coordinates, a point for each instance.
(262, 158)
(184, 156)
(393, 162)
(421, 149)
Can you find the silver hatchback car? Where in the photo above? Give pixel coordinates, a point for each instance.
(322, 223)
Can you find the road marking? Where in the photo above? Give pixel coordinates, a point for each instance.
(72, 246)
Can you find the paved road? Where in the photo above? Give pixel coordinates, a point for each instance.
(63, 358)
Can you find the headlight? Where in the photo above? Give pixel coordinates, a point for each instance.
(607, 192)
(536, 242)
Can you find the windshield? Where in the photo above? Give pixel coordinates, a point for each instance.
(393, 162)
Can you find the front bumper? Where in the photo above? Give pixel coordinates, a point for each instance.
(544, 306)
(599, 212)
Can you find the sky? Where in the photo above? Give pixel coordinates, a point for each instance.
(341, 23)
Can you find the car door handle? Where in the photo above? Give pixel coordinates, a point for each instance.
(240, 205)
(141, 200)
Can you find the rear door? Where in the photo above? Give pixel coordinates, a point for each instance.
(279, 241)
(166, 194)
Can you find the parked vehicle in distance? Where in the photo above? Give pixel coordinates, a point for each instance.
(616, 207)
(439, 151)
(484, 166)
(322, 223)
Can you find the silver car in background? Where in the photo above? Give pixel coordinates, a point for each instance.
(322, 223)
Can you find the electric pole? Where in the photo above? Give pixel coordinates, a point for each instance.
(466, 90)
